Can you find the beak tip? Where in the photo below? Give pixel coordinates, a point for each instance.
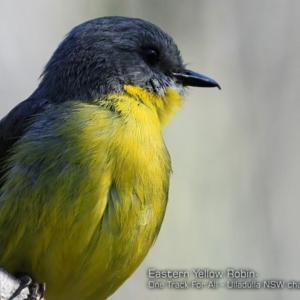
(211, 83)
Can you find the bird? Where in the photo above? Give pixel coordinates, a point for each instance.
(84, 170)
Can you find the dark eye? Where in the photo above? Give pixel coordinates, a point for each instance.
(150, 56)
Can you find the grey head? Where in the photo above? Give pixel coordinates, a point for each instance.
(101, 55)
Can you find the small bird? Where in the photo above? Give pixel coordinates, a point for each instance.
(84, 170)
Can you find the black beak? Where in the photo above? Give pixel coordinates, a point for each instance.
(190, 78)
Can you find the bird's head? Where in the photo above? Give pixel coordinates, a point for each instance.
(102, 55)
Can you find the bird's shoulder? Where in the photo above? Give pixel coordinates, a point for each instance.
(15, 124)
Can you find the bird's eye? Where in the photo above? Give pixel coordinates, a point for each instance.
(150, 56)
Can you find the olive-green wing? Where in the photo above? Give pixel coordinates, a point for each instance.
(14, 125)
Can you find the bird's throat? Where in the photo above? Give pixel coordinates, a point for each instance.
(164, 106)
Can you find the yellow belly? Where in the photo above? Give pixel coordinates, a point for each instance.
(84, 199)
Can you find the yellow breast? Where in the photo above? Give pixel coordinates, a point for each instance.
(93, 180)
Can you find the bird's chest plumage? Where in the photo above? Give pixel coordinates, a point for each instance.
(94, 183)
(136, 198)
(119, 173)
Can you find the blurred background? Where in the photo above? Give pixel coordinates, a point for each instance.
(234, 195)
